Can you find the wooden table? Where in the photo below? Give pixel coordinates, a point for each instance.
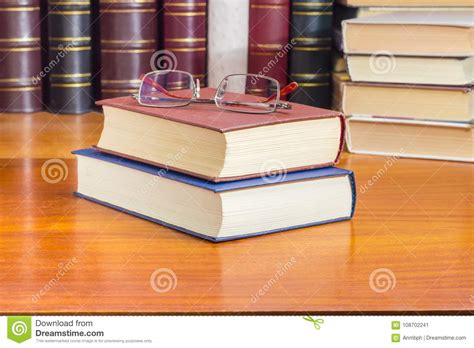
(61, 254)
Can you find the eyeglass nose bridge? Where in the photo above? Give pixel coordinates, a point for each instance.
(197, 89)
(285, 106)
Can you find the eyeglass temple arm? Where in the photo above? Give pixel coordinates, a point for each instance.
(284, 91)
(160, 88)
(258, 104)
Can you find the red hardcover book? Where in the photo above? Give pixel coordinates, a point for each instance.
(128, 31)
(269, 26)
(20, 56)
(205, 141)
(185, 35)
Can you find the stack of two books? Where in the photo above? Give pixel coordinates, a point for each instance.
(216, 174)
(411, 91)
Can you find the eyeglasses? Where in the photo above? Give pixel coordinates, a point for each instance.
(247, 93)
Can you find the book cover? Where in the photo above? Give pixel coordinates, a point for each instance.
(20, 56)
(310, 58)
(128, 31)
(70, 47)
(411, 33)
(423, 102)
(210, 117)
(222, 127)
(268, 38)
(386, 68)
(436, 140)
(185, 35)
(215, 188)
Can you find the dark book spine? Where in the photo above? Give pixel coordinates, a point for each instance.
(185, 36)
(341, 13)
(70, 57)
(268, 38)
(128, 31)
(20, 56)
(310, 58)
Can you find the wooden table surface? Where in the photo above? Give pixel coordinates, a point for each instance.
(408, 248)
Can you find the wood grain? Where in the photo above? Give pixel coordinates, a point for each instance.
(62, 254)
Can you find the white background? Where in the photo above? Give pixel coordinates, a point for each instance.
(260, 331)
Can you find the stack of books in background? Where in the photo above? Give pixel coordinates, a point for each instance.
(348, 9)
(410, 91)
(216, 174)
(92, 50)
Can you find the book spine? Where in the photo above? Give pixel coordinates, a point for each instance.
(269, 27)
(20, 56)
(185, 35)
(228, 26)
(128, 31)
(341, 13)
(310, 58)
(69, 57)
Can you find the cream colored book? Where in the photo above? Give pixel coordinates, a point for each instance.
(339, 80)
(386, 68)
(437, 103)
(218, 145)
(411, 33)
(216, 211)
(414, 139)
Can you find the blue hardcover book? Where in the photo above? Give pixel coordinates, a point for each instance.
(216, 211)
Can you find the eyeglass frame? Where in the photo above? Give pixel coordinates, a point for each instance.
(196, 97)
